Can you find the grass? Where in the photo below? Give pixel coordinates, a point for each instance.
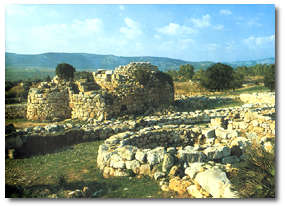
(55, 175)
(255, 178)
(194, 89)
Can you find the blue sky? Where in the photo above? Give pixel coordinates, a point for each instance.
(188, 32)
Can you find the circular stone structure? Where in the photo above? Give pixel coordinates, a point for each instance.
(144, 151)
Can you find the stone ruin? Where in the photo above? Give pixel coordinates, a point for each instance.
(130, 89)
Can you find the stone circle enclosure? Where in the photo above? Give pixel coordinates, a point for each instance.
(129, 89)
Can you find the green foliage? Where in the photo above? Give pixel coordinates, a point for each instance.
(238, 79)
(186, 71)
(269, 77)
(65, 71)
(256, 70)
(218, 77)
(198, 75)
(164, 77)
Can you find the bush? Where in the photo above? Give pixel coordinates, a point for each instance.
(164, 77)
(218, 77)
(65, 71)
(269, 77)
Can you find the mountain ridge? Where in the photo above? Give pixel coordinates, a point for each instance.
(87, 61)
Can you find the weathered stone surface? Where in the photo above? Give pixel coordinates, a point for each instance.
(141, 156)
(133, 165)
(194, 191)
(216, 183)
(193, 169)
(129, 89)
(168, 162)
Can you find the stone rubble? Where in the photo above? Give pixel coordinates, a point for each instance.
(174, 149)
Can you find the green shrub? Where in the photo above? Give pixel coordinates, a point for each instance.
(218, 77)
(269, 77)
(65, 71)
(164, 77)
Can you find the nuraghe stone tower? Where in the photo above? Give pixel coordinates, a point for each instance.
(129, 89)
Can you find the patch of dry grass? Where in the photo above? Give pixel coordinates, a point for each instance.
(256, 177)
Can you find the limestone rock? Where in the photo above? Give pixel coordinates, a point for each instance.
(168, 162)
(216, 183)
(193, 169)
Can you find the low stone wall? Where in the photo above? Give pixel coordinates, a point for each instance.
(90, 105)
(186, 158)
(48, 104)
(259, 98)
(15, 111)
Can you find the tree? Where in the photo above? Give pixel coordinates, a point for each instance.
(65, 71)
(218, 77)
(269, 77)
(186, 71)
(198, 75)
(238, 80)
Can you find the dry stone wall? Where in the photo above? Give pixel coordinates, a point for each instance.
(259, 98)
(133, 88)
(48, 104)
(14, 111)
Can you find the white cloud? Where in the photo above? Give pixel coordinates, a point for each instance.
(132, 29)
(87, 25)
(218, 27)
(254, 42)
(254, 22)
(225, 12)
(156, 36)
(122, 7)
(212, 46)
(175, 29)
(202, 22)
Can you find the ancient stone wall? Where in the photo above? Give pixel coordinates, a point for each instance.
(134, 88)
(48, 104)
(259, 98)
(14, 111)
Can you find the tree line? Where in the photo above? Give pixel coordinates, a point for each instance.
(220, 76)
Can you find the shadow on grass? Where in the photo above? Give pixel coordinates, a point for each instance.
(115, 187)
(62, 190)
(203, 103)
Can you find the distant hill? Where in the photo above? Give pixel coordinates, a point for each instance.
(251, 62)
(93, 61)
(40, 65)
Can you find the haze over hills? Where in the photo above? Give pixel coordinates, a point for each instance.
(95, 61)
(39, 66)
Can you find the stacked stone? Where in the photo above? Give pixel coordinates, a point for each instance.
(259, 98)
(92, 105)
(15, 111)
(48, 104)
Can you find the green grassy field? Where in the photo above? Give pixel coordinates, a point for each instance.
(57, 174)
